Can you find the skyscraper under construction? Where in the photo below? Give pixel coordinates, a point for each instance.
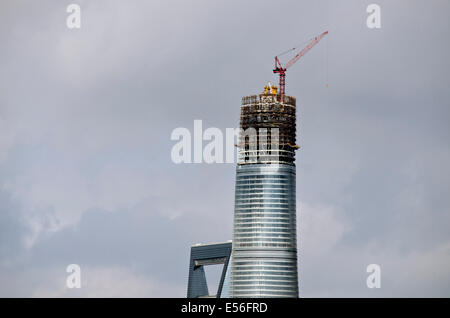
(264, 249)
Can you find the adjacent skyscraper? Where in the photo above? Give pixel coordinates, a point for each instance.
(264, 249)
(203, 255)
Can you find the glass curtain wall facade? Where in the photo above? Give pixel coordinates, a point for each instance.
(264, 250)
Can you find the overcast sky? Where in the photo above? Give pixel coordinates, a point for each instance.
(86, 116)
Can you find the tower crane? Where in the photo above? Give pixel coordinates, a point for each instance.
(280, 69)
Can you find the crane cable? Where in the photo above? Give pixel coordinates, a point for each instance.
(326, 62)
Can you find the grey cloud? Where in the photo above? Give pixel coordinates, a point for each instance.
(86, 117)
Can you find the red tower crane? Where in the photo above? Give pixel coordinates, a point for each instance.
(282, 70)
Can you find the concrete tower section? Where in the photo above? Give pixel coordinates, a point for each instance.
(264, 250)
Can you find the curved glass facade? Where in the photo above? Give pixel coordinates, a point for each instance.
(264, 262)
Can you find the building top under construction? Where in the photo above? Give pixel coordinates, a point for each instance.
(271, 117)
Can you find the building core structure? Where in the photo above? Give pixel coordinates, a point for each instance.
(264, 249)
